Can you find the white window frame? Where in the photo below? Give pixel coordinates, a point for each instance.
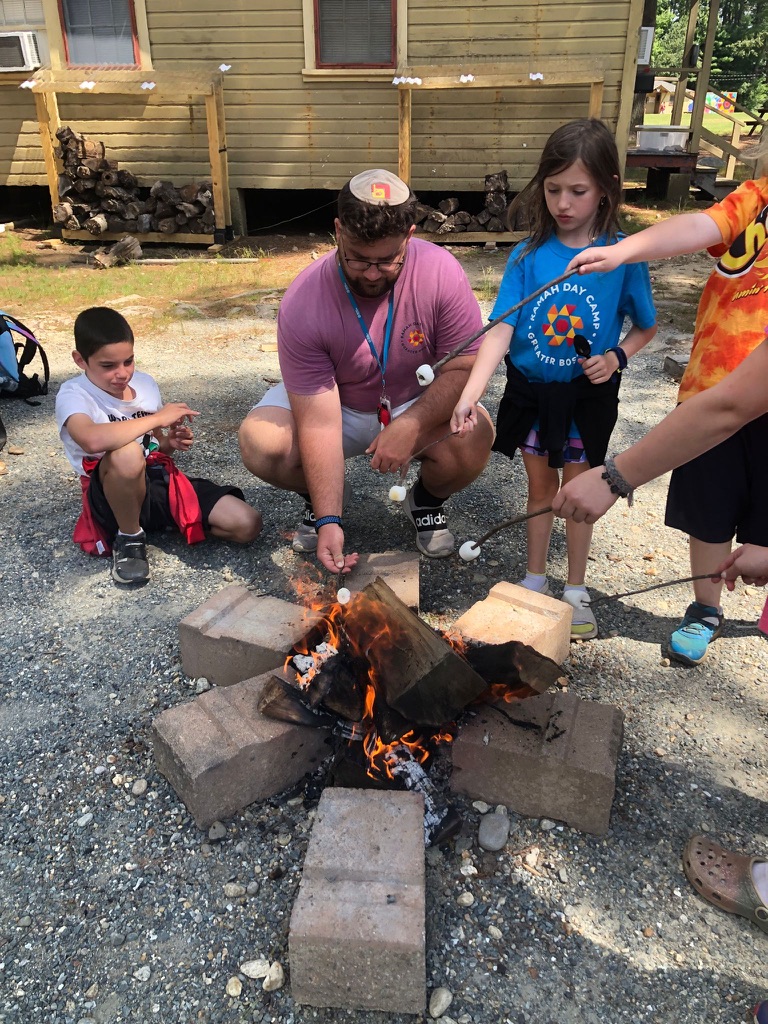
(311, 70)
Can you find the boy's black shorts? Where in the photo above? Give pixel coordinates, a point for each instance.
(156, 512)
(724, 492)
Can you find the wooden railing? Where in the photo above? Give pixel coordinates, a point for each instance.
(730, 149)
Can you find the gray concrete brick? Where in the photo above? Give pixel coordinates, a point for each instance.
(357, 931)
(220, 754)
(237, 635)
(511, 612)
(560, 763)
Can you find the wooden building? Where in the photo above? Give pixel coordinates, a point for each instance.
(308, 95)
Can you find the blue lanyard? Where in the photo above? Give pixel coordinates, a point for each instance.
(381, 362)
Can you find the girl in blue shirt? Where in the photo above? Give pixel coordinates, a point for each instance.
(559, 408)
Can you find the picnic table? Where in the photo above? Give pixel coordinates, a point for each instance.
(754, 122)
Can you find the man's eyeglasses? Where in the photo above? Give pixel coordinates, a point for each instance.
(385, 266)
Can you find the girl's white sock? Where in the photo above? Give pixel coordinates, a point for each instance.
(575, 586)
(534, 581)
(760, 878)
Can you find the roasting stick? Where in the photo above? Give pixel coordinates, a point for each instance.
(470, 549)
(426, 373)
(398, 491)
(656, 586)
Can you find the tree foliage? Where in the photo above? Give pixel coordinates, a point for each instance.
(740, 53)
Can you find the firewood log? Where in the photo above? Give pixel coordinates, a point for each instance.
(462, 218)
(62, 212)
(165, 191)
(73, 224)
(189, 209)
(167, 225)
(483, 217)
(496, 203)
(498, 182)
(494, 224)
(113, 206)
(132, 210)
(189, 192)
(127, 248)
(448, 206)
(163, 209)
(127, 180)
(144, 223)
(110, 177)
(96, 224)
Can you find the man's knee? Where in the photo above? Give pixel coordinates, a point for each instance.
(268, 444)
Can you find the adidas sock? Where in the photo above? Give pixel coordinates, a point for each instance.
(534, 581)
(423, 499)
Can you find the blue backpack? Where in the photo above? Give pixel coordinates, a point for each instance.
(15, 356)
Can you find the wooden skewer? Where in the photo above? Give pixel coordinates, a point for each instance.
(656, 586)
(404, 469)
(511, 522)
(513, 309)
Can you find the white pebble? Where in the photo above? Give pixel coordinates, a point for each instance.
(425, 374)
(465, 899)
(397, 493)
(255, 968)
(142, 974)
(275, 978)
(469, 550)
(439, 1002)
(343, 595)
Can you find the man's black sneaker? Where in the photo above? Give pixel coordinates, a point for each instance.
(433, 538)
(129, 559)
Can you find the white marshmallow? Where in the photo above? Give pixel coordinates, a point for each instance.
(425, 374)
(469, 551)
(397, 492)
(343, 595)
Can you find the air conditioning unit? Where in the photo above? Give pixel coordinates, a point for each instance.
(646, 45)
(19, 51)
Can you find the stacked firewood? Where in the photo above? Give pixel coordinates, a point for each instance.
(447, 217)
(97, 195)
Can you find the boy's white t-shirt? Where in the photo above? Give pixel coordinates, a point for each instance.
(80, 395)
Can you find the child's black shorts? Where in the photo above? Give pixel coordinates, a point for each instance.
(724, 492)
(156, 512)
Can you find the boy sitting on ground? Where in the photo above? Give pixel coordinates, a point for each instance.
(119, 437)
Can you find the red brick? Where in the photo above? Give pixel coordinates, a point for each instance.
(237, 635)
(539, 772)
(511, 612)
(220, 754)
(357, 933)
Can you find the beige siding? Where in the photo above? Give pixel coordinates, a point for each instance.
(284, 132)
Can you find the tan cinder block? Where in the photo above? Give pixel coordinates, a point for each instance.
(237, 635)
(511, 612)
(559, 763)
(357, 933)
(398, 569)
(220, 754)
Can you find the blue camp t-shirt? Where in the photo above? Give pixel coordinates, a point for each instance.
(593, 305)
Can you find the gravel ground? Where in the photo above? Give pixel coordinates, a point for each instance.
(115, 907)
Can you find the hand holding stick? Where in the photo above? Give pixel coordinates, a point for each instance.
(426, 373)
(397, 492)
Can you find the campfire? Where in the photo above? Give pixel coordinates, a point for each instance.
(391, 690)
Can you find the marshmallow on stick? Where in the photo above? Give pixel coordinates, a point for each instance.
(426, 373)
(470, 549)
(398, 491)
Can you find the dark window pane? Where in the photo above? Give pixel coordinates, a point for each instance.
(355, 31)
(99, 31)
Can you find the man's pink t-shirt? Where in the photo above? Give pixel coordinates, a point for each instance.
(321, 343)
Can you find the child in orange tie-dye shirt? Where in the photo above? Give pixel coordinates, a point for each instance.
(725, 491)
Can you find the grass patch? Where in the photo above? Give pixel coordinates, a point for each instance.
(12, 253)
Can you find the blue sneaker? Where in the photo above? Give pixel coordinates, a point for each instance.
(760, 1012)
(700, 626)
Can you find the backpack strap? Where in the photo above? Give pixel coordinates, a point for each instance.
(26, 350)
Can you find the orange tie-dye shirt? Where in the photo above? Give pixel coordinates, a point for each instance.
(732, 318)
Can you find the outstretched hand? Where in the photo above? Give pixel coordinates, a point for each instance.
(750, 561)
(174, 412)
(585, 498)
(330, 550)
(598, 260)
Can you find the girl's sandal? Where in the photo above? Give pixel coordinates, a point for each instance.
(724, 879)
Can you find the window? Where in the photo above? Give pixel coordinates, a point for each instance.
(355, 33)
(21, 13)
(100, 32)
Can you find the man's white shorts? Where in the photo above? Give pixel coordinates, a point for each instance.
(358, 428)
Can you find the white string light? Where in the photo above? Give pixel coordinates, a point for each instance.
(224, 67)
(87, 85)
(148, 85)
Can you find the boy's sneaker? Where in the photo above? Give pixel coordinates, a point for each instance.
(129, 559)
(305, 538)
(760, 1012)
(584, 623)
(433, 538)
(702, 623)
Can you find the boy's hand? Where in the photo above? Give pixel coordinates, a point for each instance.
(180, 436)
(174, 412)
(599, 260)
(599, 369)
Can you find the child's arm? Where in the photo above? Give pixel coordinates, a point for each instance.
(178, 438)
(686, 232)
(108, 437)
(491, 352)
(601, 368)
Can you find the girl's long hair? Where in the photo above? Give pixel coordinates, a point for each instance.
(590, 141)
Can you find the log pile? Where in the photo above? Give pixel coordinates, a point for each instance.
(95, 194)
(447, 218)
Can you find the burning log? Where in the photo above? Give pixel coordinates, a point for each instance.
(421, 676)
(283, 701)
(515, 666)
